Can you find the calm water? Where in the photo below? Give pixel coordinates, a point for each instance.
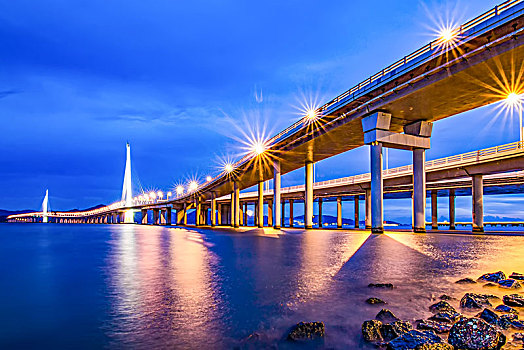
(129, 286)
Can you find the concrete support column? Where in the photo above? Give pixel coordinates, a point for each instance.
(241, 214)
(144, 217)
(245, 214)
(339, 212)
(168, 216)
(213, 211)
(478, 203)
(434, 210)
(236, 209)
(198, 211)
(367, 219)
(276, 195)
(308, 198)
(356, 200)
(219, 214)
(319, 213)
(452, 209)
(377, 213)
(260, 207)
(283, 214)
(156, 216)
(419, 189)
(184, 214)
(291, 215)
(163, 217)
(232, 209)
(270, 213)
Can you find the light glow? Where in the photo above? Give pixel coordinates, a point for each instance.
(193, 185)
(160, 194)
(152, 195)
(208, 178)
(179, 189)
(258, 148)
(513, 100)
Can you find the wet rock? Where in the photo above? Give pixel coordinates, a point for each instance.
(506, 309)
(493, 277)
(442, 306)
(506, 321)
(475, 301)
(518, 337)
(437, 346)
(372, 331)
(374, 301)
(513, 300)
(474, 333)
(510, 284)
(445, 297)
(448, 317)
(381, 285)
(414, 340)
(466, 281)
(307, 330)
(517, 324)
(517, 276)
(437, 327)
(395, 329)
(386, 315)
(489, 316)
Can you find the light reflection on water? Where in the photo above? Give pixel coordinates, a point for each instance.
(131, 286)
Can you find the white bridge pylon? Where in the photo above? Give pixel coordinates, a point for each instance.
(45, 206)
(127, 194)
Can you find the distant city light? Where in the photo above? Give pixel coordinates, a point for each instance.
(208, 178)
(169, 194)
(152, 195)
(160, 194)
(249, 212)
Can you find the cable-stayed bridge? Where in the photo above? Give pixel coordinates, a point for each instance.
(472, 65)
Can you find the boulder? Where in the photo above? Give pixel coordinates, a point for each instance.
(475, 301)
(517, 276)
(510, 284)
(506, 309)
(493, 277)
(437, 327)
(448, 317)
(442, 306)
(372, 331)
(489, 316)
(436, 346)
(490, 285)
(374, 301)
(517, 324)
(414, 340)
(386, 315)
(445, 297)
(474, 333)
(466, 281)
(518, 337)
(395, 329)
(506, 321)
(381, 285)
(307, 330)
(513, 300)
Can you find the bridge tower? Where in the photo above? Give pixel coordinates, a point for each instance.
(45, 206)
(127, 194)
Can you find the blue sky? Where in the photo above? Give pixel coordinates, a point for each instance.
(80, 78)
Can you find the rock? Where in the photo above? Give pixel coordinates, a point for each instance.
(436, 346)
(475, 301)
(506, 309)
(510, 284)
(518, 337)
(474, 333)
(307, 330)
(414, 340)
(374, 301)
(442, 306)
(386, 315)
(493, 277)
(489, 316)
(490, 284)
(381, 285)
(506, 321)
(371, 331)
(517, 324)
(466, 281)
(513, 300)
(448, 317)
(395, 329)
(445, 297)
(437, 327)
(517, 276)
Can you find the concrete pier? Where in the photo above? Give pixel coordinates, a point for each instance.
(168, 216)
(319, 213)
(260, 205)
(236, 203)
(434, 210)
(367, 219)
(308, 198)
(377, 189)
(419, 189)
(339, 212)
(276, 195)
(477, 192)
(452, 209)
(156, 216)
(213, 210)
(283, 214)
(144, 217)
(291, 215)
(356, 200)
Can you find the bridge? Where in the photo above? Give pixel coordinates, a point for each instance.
(467, 67)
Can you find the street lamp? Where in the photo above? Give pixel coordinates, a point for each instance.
(514, 100)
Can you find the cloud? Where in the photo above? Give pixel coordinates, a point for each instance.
(6, 93)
